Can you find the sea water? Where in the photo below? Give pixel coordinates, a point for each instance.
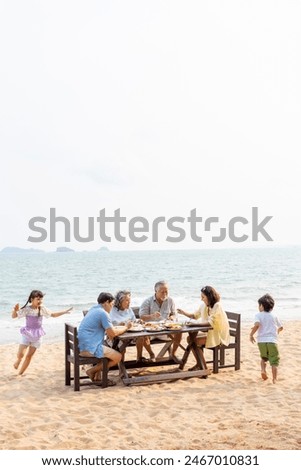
(75, 279)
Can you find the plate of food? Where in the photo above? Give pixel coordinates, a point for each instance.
(173, 326)
(136, 328)
(153, 327)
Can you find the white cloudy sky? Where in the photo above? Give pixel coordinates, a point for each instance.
(154, 107)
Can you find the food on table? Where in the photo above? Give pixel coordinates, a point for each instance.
(173, 326)
(153, 327)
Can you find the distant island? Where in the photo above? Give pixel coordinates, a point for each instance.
(15, 249)
(103, 248)
(64, 249)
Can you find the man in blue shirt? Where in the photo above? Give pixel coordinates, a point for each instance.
(91, 333)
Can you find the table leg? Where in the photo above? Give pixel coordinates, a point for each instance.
(197, 352)
(199, 356)
(122, 370)
(202, 371)
(188, 349)
(121, 366)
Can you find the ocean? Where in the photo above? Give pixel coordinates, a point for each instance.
(75, 279)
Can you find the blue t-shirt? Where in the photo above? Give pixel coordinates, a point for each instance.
(91, 331)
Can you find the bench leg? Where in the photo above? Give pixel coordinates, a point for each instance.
(76, 377)
(237, 358)
(215, 359)
(105, 372)
(222, 356)
(67, 372)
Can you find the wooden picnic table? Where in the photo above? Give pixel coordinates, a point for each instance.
(173, 374)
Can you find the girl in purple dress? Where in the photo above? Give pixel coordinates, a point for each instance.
(33, 330)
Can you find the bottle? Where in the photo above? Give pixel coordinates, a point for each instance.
(176, 317)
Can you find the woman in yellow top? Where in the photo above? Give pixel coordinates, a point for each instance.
(211, 313)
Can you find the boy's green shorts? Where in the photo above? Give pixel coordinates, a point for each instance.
(269, 352)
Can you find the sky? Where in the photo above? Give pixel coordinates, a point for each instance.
(152, 107)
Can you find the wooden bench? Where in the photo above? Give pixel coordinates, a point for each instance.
(219, 356)
(72, 357)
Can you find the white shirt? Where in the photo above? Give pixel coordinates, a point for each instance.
(121, 316)
(150, 306)
(268, 327)
(28, 310)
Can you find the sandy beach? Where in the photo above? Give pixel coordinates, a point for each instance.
(229, 410)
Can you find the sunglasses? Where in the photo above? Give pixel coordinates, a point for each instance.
(205, 290)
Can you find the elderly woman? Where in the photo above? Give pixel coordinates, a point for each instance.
(122, 313)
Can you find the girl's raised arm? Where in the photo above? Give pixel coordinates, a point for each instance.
(58, 314)
(14, 313)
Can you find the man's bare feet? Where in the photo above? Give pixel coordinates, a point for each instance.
(274, 381)
(16, 364)
(94, 376)
(97, 376)
(91, 375)
(264, 375)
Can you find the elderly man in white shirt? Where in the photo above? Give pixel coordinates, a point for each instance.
(161, 307)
